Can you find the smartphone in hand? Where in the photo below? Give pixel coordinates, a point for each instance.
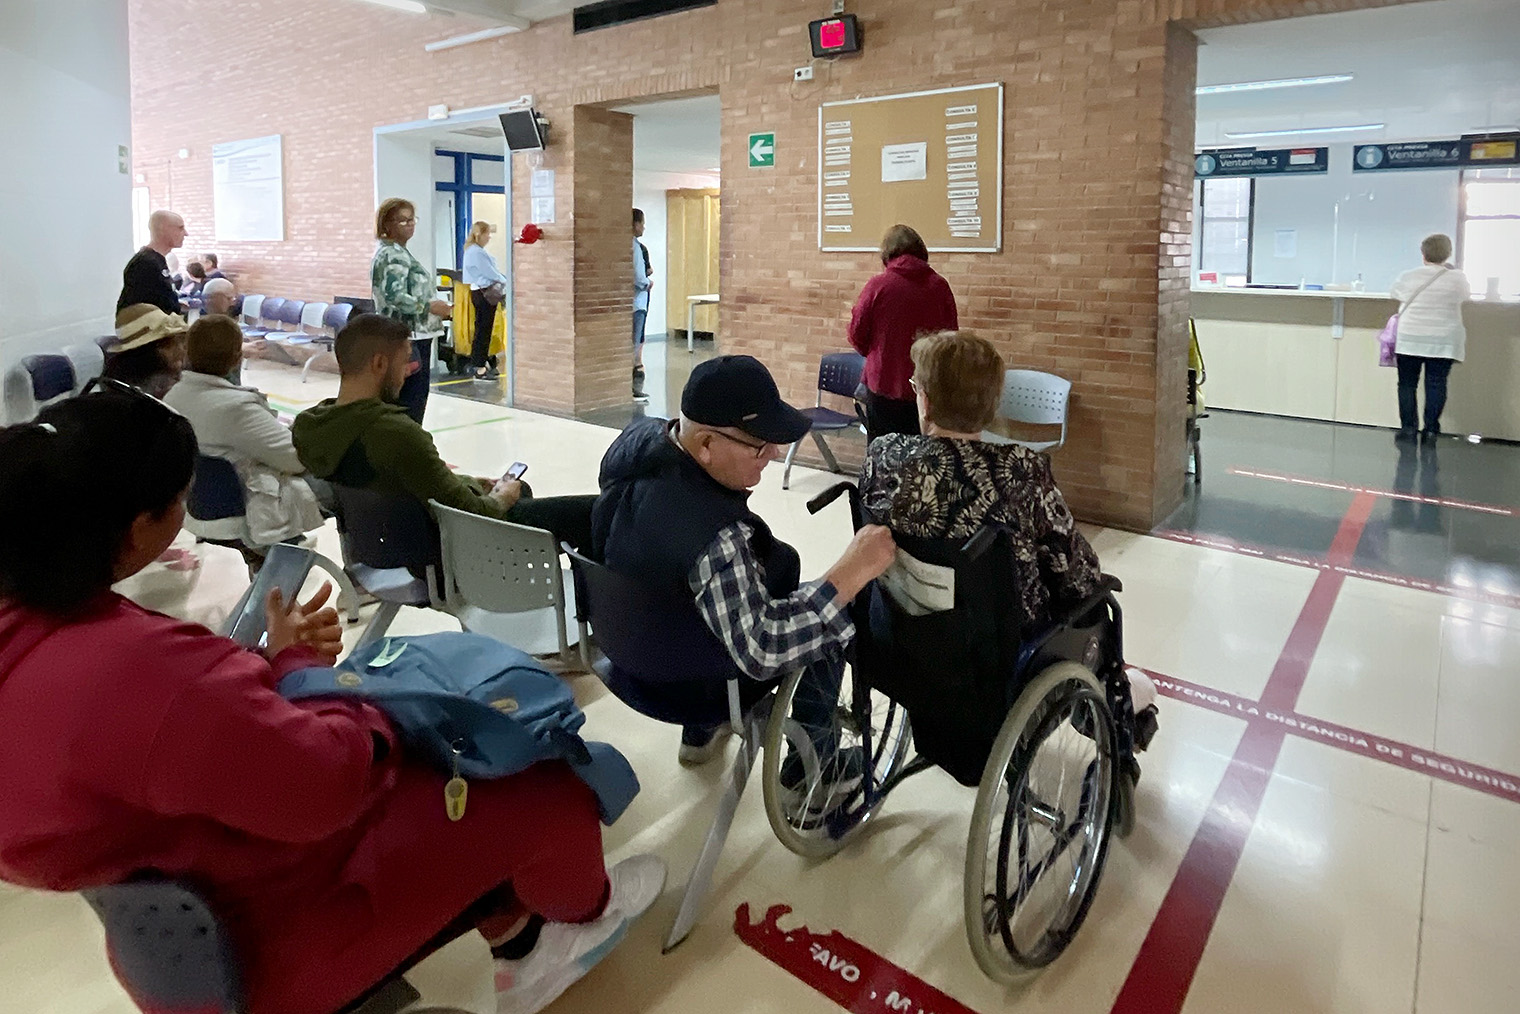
(284, 568)
(517, 471)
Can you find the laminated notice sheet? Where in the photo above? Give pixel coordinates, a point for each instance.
(919, 588)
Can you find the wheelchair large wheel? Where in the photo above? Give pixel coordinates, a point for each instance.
(1040, 830)
(826, 759)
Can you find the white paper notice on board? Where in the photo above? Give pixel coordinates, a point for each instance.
(901, 163)
(543, 210)
(248, 190)
(543, 183)
(1285, 243)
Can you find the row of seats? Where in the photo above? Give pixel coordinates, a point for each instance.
(294, 322)
(39, 380)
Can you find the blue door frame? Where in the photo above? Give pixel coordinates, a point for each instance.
(464, 188)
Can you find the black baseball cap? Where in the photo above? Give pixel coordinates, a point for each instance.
(738, 391)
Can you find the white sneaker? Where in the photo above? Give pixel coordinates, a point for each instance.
(567, 951)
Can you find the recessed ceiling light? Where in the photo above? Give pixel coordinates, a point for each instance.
(1240, 134)
(410, 6)
(1284, 82)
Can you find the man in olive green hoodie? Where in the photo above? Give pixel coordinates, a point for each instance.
(363, 439)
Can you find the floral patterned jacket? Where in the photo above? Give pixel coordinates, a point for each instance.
(402, 287)
(933, 487)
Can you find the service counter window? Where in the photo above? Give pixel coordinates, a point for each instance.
(1488, 240)
(1223, 209)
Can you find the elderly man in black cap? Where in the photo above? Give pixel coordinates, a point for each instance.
(674, 510)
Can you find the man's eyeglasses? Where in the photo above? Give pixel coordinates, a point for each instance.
(759, 449)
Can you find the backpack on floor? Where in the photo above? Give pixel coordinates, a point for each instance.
(471, 705)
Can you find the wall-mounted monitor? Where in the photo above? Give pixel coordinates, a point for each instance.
(835, 36)
(523, 130)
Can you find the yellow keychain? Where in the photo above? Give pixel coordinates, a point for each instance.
(456, 792)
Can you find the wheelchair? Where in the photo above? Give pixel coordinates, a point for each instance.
(1043, 727)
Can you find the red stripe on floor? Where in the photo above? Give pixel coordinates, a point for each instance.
(1163, 971)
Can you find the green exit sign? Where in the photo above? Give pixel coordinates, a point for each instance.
(762, 151)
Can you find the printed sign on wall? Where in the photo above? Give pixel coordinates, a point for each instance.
(1457, 153)
(248, 190)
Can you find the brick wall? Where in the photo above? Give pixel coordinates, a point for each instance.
(1092, 281)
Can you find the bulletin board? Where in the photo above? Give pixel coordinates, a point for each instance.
(932, 160)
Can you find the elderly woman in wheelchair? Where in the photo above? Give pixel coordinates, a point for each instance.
(994, 647)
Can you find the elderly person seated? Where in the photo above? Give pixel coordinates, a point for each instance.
(149, 352)
(137, 742)
(674, 511)
(217, 296)
(236, 423)
(948, 482)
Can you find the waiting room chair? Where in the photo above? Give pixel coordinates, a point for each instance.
(216, 507)
(171, 953)
(252, 306)
(334, 319)
(838, 373)
(35, 383)
(495, 572)
(391, 550)
(1033, 398)
(269, 317)
(663, 662)
(89, 359)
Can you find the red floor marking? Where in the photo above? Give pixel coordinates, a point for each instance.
(1314, 563)
(856, 978)
(1489, 781)
(1299, 480)
(1163, 971)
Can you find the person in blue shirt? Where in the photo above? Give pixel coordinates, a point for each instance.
(485, 281)
(643, 281)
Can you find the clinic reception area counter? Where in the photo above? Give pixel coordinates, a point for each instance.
(1314, 355)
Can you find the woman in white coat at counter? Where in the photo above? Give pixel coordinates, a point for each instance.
(1431, 336)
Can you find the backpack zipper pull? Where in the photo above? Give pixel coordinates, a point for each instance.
(456, 792)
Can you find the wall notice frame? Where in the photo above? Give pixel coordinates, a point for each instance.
(932, 160)
(248, 190)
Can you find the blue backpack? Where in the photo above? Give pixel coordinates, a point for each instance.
(494, 704)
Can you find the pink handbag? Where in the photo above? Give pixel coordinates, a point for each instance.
(1387, 341)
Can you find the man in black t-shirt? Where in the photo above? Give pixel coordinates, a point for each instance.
(146, 278)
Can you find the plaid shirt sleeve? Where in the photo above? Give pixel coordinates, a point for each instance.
(767, 637)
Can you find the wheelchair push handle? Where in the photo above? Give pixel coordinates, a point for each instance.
(833, 493)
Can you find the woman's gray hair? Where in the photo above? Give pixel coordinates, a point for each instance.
(1436, 248)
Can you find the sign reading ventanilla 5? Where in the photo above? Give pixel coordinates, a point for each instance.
(1251, 162)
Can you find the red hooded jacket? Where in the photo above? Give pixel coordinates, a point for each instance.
(906, 300)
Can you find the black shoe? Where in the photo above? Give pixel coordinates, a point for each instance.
(1428, 437)
(1408, 435)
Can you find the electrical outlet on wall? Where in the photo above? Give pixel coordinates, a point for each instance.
(803, 74)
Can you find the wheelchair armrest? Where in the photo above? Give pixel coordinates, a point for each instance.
(1107, 586)
(831, 494)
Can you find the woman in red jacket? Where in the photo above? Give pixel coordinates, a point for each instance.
(135, 742)
(906, 300)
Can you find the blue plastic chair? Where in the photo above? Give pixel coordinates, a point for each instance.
(334, 319)
(663, 662)
(838, 373)
(34, 383)
(171, 953)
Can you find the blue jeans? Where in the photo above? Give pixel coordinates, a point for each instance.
(1437, 371)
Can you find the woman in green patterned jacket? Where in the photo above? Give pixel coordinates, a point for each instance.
(404, 290)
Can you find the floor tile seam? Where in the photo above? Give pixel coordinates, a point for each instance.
(1498, 510)
(1419, 946)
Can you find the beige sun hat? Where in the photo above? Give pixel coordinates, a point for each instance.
(143, 324)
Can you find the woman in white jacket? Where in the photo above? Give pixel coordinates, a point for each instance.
(236, 423)
(1431, 335)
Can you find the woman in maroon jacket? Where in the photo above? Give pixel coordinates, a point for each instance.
(906, 300)
(135, 742)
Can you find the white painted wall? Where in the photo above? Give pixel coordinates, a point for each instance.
(65, 206)
(649, 188)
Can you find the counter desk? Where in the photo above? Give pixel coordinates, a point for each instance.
(1314, 355)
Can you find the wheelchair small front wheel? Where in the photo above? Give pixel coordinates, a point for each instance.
(826, 757)
(1040, 829)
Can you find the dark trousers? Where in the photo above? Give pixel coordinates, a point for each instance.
(1437, 372)
(567, 518)
(485, 323)
(414, 391)
(889, 415)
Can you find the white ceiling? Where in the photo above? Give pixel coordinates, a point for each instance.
(1427, 70)
(677, 135)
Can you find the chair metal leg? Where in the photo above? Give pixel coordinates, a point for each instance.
(379, 623)
(348, 597)
(712, 850)
(786, 476)
(828, 455)
(306, 369)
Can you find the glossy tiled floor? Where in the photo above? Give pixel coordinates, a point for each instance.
(1360, 859)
